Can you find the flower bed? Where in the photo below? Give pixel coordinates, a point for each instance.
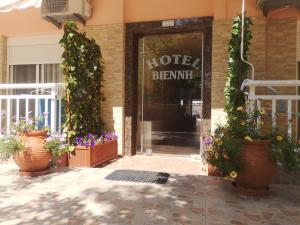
(91, 151)
(92, 156)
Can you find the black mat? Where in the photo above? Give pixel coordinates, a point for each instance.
(138, 176)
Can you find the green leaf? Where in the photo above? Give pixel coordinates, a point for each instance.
(71, 148)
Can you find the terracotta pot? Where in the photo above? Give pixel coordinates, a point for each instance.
(62, 161)
(93, 156)
(258, 166)
(35, 157)
(213, 171)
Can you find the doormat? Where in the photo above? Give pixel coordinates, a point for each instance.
(138, 176)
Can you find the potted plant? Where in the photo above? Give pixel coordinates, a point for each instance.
(241, 152)
(92, 150)
(238, 149)
(33, 159)
(10, 146)
(57, 145)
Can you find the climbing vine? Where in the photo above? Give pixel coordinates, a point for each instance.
(83, 69)
(237, 69)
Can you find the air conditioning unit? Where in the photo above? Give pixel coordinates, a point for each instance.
(58, 11)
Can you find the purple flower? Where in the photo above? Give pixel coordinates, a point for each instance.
(207, 141)
(91, 140)
(79, 141)
(86, 144)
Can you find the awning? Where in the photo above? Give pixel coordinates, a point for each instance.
(265, 5)
(9, 5)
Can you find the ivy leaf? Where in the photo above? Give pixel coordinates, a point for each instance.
(71, 148)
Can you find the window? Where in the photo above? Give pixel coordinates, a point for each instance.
(33, 73)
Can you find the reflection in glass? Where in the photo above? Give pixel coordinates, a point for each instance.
(170, 93)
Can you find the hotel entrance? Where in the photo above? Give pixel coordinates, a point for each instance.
(170, 93)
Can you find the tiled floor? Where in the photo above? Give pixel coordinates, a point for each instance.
(163, 163)
(83, 196)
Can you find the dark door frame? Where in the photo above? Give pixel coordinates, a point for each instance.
(135, 31)
(298, 103)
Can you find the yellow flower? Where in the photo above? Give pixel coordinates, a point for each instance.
(279, 138)
(210, 149)
(240, 108)
(248, 138)
(260, 122)
(233, 174)
(243, 123)
(216, 155)
(262, 111)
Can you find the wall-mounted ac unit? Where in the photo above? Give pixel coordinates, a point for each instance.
(58, 11)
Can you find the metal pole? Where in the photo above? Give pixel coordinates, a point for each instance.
(143, 80)
(242, 40)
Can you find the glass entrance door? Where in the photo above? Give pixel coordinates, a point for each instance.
(170, 97)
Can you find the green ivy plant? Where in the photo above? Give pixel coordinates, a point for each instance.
(237, 72)
(237, 69)
(83, 68)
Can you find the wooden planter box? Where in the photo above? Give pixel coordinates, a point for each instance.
(93, 156)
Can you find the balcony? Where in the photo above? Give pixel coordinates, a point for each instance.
(280, 103)
(31, 100)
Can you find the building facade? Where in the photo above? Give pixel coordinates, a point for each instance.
(165, 63)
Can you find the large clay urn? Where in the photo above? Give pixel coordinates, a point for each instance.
(259, 167)
(34, 160)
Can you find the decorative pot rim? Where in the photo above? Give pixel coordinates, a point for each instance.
(258, 142)
(36, 133)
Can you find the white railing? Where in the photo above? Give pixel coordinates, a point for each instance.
(31, 100)
(256, 99)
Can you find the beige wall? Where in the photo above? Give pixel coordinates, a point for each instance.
(273, 54)
(111, 40)
(3, 58)
(221, 37)
(281, 54)
(144, 10)
(29, 21)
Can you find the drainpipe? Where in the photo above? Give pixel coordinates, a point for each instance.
(242, 40)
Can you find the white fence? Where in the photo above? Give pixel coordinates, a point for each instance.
(29, 101)
(256, 99)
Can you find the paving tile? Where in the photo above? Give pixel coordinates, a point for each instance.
(83, 196)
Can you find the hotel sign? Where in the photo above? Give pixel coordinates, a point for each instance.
(175, 59)
(168, 23)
